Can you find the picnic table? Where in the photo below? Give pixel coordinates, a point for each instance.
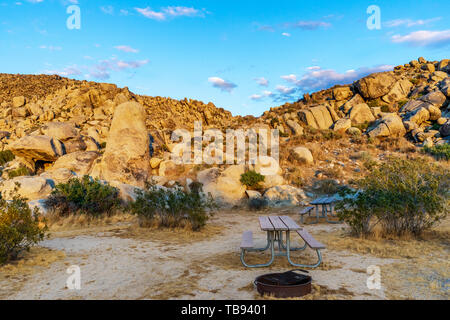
(327, 204)
(279, 228)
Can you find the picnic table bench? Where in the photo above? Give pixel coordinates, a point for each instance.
(327, 204)
(275, 227)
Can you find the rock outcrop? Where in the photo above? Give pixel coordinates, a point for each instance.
(127, 155)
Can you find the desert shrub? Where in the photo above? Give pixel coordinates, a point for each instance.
(327, 186)
(257, 204)
(5, 157)
(19, 172)
(440, 152)
(402, 103)
(385, 108)
(364, 126)
(19, 228)
(373, 103)
(172, 208)
(103, 145)
(83, 196)
(274, 122)
(402, 196)
(331, 135)
(252, 179)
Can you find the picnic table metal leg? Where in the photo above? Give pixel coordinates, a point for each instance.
(288, 244)
(270, 239)
(293, 249)
(317, 216)
(332, 215)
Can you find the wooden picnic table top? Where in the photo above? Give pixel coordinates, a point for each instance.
(322, 201)
(278, 223)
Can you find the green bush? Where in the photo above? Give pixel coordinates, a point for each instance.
(19, 228)
(172, 208)
(252, 179)
(5, 157)
(440, 152)
(19, 172)
(85, 196)
(402, 196)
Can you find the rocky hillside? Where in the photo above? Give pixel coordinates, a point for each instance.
(53, 128)
(29, 101)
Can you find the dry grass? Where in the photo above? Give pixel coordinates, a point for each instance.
(432, 242)
(83, 221)
(169, 236)
(14, 274)
(184, 286)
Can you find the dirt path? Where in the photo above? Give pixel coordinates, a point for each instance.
(122, 262)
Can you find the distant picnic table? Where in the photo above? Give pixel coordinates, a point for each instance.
(327, 206)
(277, 229)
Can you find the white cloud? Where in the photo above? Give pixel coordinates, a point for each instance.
(126, 49)
(309, 25)
(222, 84)
(286, 34)
(171, 11)
(316, 79)
(424, 38)
(290, 78)
(107, 9)
(262, 81)
(50, 48)
(256, 97)
(66, 72)
(101, 70)
(264, 94)
(409, 22)
(285, 90)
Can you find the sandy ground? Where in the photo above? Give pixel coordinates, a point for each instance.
(122, 261)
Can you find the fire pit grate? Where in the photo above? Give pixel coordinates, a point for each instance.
(284, 285)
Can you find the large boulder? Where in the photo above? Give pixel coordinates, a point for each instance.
(18, 101)
(423, 112)
(375, 85)
(302, 154)
(443, 65)
(127, 155)
(61, 175)
(67, 133)
(342, 93)
(445, 129)
(295, 127)
(436, 98)
(60, 130)
(357, 99)
(318, 117)
(31, 188)
(342, 125)
(37, 148)
(360, 114)
(284, 196)
(79, 162)
(225, 188)
(399, 91)
(389, 125)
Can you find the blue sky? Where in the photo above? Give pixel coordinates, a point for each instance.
(245, 56)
